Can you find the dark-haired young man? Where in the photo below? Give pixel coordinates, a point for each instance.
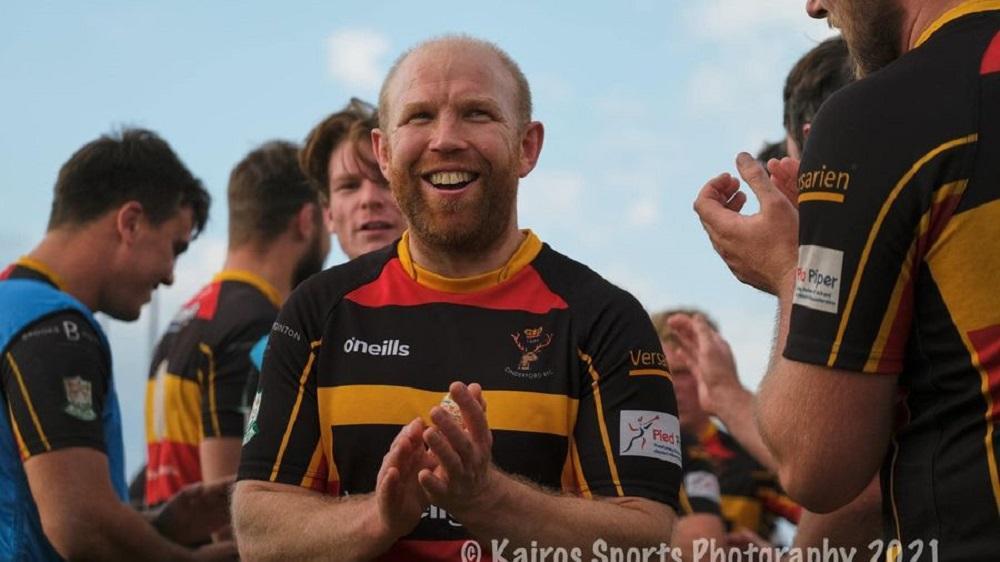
(196, 395)
(823, 70)
(124, 208)
(337, 157)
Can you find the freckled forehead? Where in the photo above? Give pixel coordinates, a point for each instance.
(450, 70)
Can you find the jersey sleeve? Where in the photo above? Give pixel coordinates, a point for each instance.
(223, 404)
(870, 207)
(700, 490)
(282, 439)
(55, 377)
(773, 498)
(627, 436)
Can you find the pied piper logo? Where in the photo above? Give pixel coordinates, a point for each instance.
(533, 343)
(641, 427)
(385, 348)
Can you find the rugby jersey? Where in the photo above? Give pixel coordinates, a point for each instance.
(578, 393)
(899, 260)
(199, 373)
(700, 490)
(751, 496)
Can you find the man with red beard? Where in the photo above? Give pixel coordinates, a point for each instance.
(351, 457)
(889, 314)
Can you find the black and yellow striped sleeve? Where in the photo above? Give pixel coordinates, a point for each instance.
(627, 436)
(283, 433)
(54, 378)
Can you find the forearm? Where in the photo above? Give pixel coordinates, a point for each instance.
(736, 410)
(697, 526)
(112, 531)
(278, 525)
(856, 524)
(522, 512)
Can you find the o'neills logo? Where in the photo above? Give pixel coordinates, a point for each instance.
(385, 348)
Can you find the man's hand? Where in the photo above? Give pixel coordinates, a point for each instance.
(399, 498)
(709, 358)
(785, 175)
(462, 479)
(197, 511)
(760, 249)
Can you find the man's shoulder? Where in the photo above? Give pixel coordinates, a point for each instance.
(326, 288)
(576, 283)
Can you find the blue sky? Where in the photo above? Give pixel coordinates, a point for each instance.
(642, 101)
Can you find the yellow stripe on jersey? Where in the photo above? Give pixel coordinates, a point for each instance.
(873, 233)
(173, 406)
(27, 401)
(32, 263)
(888, 320)
(965, 278)
(742, 511)
(594, 384)
(650, 373)
(253, 280)
(312, 471)
(821, 196)
(578, 466)
(295, 409)
(21, 447)
(963, 9)
(367, 404)
(686, 508)
(213, 411)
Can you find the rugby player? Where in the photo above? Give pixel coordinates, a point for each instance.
(196, 395)
(889, 325)
(337, 157)
(124, 208)
(335, 465)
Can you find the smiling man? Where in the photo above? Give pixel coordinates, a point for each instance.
(125, 208)
(351, 458)
(888, 350)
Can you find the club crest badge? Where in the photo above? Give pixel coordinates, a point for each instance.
(79, 398)
(533, 341)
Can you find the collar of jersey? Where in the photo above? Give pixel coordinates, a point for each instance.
(253, 279)
(39, 267)
(524, 255)
(963, 9)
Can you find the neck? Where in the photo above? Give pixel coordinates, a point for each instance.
(78, 259)
(919, 15)
(459, 265)
(274, 264)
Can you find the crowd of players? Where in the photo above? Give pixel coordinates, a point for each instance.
(459, 379)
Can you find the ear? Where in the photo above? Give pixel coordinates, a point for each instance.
(305, 223)
(380, 146)
(805, 133)
(531, 147)
(127, 221)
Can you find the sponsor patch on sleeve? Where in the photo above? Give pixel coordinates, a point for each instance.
(818, 278)
(656, 435)
(701, 484)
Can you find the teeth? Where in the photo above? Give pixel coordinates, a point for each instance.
(450, 178)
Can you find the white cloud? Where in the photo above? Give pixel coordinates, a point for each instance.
(355, 58)
(734, 20)
(644, 212)
(551, 197)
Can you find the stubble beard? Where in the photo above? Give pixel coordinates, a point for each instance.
(873, 31)
(465, 226)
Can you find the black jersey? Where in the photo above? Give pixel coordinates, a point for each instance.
(54, 376)
(579, 398)
(899, 259)
(751, 496)
(700, 490)
(198, 377)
